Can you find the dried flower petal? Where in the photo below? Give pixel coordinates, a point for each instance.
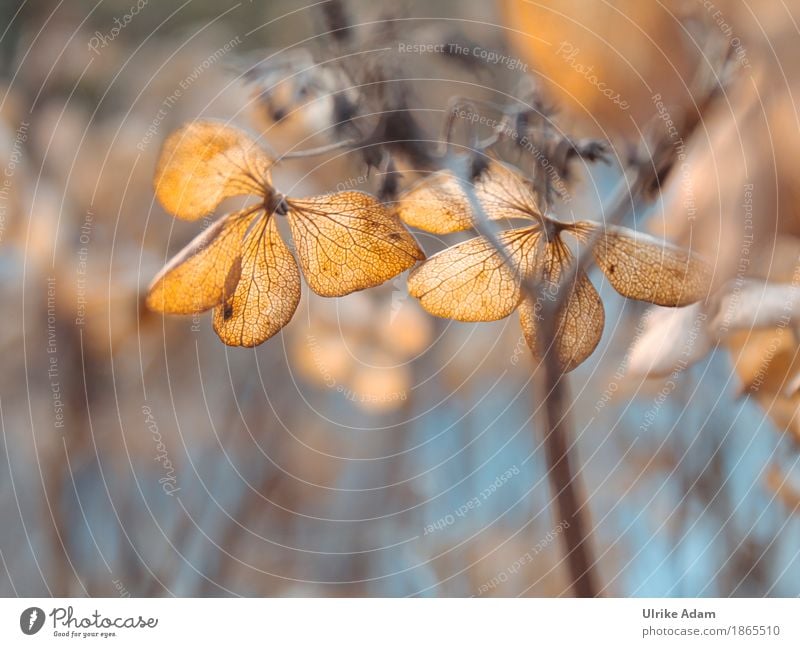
(267, 293)
(348, 241)
(648, 269)
(471, 282)
(195, 279)
(438, 204)
(580, 320)
(205, 162)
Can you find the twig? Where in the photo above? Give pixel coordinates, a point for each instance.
(320, 150)
(579, 557)
(554, 391)
(553, 387)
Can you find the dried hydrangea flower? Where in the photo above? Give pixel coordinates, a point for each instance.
(471, 281)
(240, 266)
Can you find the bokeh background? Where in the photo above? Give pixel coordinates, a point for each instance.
(141, 457)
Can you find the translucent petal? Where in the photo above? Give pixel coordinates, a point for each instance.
(348, 241)
(648, 269)
(580, 320)
(205, 162)
(267, 293)
(438, 204)
(195, 279)
(471, 282)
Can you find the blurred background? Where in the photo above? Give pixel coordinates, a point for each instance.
(370, 449)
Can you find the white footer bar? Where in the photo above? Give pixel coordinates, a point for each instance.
(389, 622)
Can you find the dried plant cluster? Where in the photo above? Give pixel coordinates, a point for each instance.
(350, 240)
(240, 266)
(472, 282)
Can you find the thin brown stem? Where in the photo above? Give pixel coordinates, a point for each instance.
(554, 392)
(553, 388)
(580, 561)
(556, 398)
